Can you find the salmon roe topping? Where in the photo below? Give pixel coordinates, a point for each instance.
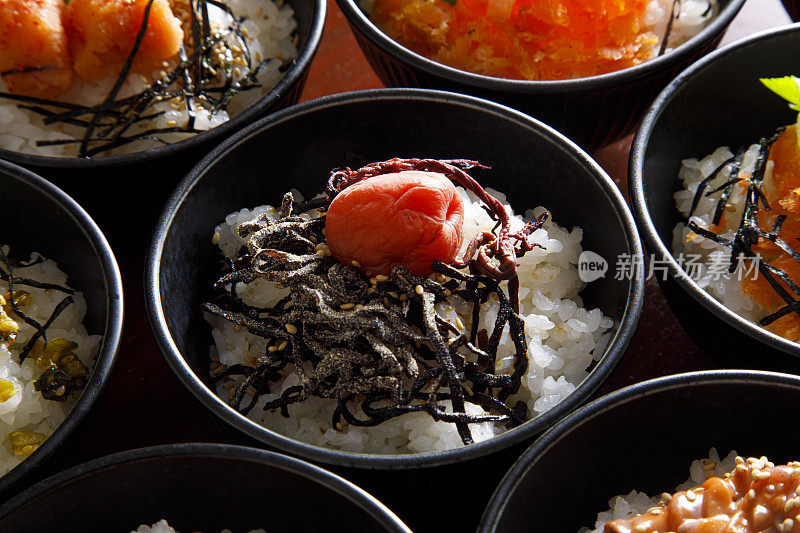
(526, 39)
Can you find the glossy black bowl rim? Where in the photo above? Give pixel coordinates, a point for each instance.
(642, 214)
(359, 20)
(106, 357)
(614, 351)
(337, 484)
(554, 436)
(210, 137)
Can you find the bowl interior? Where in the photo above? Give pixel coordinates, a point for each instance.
(36, 221)
(720, 104)
(203, 491)
(645, 438)
(529, 164)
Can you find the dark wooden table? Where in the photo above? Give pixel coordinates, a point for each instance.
(145, 404)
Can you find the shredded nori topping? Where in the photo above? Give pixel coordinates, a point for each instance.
(376, 346)
(749, 232)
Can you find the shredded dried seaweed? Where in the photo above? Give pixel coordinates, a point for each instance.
(377, 346)
(7, 275)
(749, 232)
(195, 79)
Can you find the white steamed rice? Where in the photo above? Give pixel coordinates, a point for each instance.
(163, 527)
(564, 339)
(27, 409)
(270, 34)
(635, 503)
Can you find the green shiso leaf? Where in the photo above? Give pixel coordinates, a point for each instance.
(451, 2)
(787, 88)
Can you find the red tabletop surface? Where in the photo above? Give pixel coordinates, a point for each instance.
(145, 404)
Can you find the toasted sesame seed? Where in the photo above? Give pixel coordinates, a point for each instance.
(216, 238)
(394, 295)
(447, 292)
(172, 123)
(355, 263)
(751, 494)
(419, 290)
(359, 306)
(691, 496)
(403, 297)
(381, 277)
(321, 253)
(459, 323)
(272, 348)
(291, 328)
(795, 473)
(642, 528)
(760, 475)
(787, 525)
(666, 496)
(282, 345)
(347, 306)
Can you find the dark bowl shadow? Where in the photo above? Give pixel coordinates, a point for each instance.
(197, 487)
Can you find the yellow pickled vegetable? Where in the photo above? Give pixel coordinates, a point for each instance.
(7, 390)
(25, 442)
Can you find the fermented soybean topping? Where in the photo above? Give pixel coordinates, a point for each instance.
(756, 497)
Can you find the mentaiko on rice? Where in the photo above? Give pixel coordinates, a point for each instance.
(540, 40)
(83, 78)
(313, 340)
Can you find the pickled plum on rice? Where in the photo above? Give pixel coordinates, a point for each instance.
(325, 347)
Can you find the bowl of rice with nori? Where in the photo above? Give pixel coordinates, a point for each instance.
(363, 325)
(97, 84)
(60, 320)
(715, 202)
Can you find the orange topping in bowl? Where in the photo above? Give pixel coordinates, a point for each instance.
(34, 56)
(524, 39)
(408, 218)
(102, 34)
